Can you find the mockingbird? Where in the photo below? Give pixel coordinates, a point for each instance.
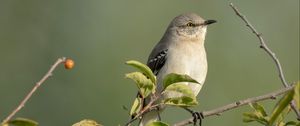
(181, 50)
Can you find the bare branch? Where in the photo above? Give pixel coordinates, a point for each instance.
(236, 104)
(38, 84)
(262, 44)
(268, 51)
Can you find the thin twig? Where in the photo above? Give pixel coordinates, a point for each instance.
(262, 44)
(150, 107)
(38, 84)
(268, 51)
(239, 103)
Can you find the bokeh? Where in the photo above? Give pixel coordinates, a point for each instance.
(100, 35)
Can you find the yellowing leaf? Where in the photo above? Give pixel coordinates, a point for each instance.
(249, 117)
(175, 78)
(281, 105)
(259, 108)
(143, 68)
(87, 122)
(254, 116)
(179, 94)
(183, 101)
(136, 107)
(157, 123)
(297, 95)
(145, 85)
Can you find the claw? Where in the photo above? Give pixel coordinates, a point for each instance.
(197, 116)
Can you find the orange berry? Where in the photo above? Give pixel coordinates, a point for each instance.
(69, 64)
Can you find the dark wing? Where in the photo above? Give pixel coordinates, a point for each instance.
(157, 61)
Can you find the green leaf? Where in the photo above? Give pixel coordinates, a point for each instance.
(249, 117)
(280, 123)
(157, 123)
(297, 95)
(22, 122)
(281, 105)
(283, 114)
(87, 122)
(143, 68)
(183, 101)
(259, 108)
(136, 107)
(175, 78)
(292, 123)
(179, 94)
(145, 85)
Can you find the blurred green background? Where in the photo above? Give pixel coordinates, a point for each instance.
(100, 35)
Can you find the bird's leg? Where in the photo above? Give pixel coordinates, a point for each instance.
(197, 116)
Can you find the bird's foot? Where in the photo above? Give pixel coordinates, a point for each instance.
(197, 116)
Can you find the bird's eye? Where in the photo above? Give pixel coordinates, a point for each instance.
(190, 24)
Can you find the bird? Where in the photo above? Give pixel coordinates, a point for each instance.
(181, 50)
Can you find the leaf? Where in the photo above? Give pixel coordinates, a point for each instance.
(280, 123)
(136, 106)
(87, 122)
(259, 108)
(143, 68)
(293, 123)
(22, 122)
(183, 101)
(179, 94)
(157, 123)
(145, 85)
(297, 95)
(249, 117)
(281, 105)
(283, 114)
(175, 78)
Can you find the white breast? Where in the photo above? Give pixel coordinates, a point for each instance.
(187, 59)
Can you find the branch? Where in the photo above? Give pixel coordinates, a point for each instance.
(38, 84)
(262, 45)
(236, 104)
(268, 51)
(146, 109)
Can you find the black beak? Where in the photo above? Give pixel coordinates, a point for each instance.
(208, 22)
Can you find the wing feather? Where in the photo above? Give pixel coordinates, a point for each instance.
(157, 62)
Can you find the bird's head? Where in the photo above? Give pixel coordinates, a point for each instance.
(189, 26)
